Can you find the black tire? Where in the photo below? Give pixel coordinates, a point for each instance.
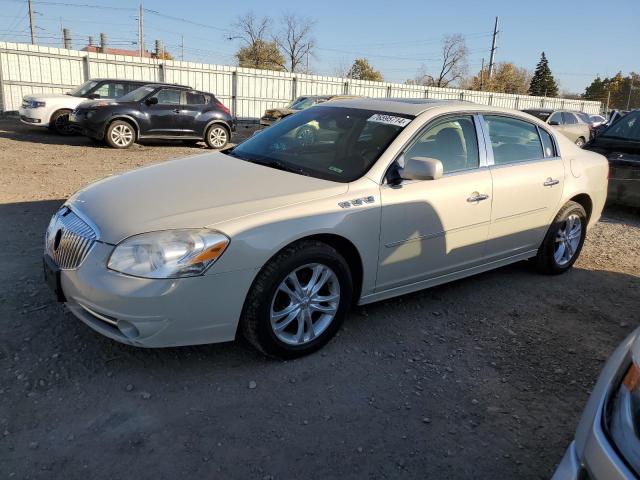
(59, 122)
(125, 128)
(256, 316)
(545, 261)
(215, 142)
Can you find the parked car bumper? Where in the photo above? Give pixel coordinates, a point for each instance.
(34, 116)
(90, 123)
(154, 313)
(592, 454)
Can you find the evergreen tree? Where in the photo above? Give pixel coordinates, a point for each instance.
(543, 84)
(362, 70)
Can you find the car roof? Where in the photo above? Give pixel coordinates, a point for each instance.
(406, 106)
(141, 82)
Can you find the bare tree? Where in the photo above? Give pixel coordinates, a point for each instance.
(251, 29)
(454, 61)
(295, 41)
(257, 52)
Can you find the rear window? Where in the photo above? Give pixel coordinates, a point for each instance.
(194, 98)
(569, 118)
(583, 117)
(538, 114)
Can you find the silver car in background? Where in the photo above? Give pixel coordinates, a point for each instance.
(607, 444)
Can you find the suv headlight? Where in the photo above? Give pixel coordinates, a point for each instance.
(37, 104)
(623, 416)
(168, 253)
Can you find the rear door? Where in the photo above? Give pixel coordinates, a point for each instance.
(573, 129)
(528, 178)
(194, 105)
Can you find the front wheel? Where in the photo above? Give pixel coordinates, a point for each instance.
(60, 123)
(563, 242)
(120, 134)
(217, 136)
(298, 300)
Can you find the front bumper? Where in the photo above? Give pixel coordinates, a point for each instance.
(33, 116)
(591, 455)
(155, 313)
(90, 123)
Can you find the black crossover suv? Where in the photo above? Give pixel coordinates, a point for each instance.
(159, 111)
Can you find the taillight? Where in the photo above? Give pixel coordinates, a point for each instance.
(223, 107)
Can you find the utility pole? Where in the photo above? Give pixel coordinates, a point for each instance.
(493, 49)
(181, 48)
(630, 90)
(32, 24)
(141, 30)
(482, 75)
(66, 38)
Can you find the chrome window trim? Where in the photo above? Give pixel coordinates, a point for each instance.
(486, 141)
(556, 152)
(554, 144)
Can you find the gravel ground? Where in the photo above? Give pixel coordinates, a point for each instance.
(451, 382)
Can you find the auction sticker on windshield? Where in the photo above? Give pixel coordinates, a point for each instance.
(389, 120)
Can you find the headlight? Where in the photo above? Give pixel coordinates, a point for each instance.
(169, 253)
(36, 104)
(623, 417)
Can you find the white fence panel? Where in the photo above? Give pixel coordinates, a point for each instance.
(26, 69)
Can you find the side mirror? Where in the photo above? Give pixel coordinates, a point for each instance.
(152, 101)
(554, 123)
(93, 96)
(422, 168)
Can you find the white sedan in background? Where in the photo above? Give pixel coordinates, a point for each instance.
(277, 238)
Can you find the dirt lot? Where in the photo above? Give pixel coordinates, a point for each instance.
(481, 378)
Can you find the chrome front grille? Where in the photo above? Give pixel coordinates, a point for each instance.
(69, 239)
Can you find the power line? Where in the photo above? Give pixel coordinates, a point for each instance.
(184, 20)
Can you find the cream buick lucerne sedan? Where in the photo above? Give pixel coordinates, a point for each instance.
(347, 202)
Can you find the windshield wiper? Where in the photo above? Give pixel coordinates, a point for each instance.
(284, 167)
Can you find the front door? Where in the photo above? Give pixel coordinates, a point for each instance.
(528, 178)
(164, 117)
(434, 227)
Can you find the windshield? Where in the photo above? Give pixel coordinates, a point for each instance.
(137, 94)
(541, 114)
(305, 102)
(626, 128)
(83, 89)
(338, 144)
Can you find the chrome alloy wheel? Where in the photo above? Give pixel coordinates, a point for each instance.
(122, 135)
(568, 239)
(305, 304)
(218, 137)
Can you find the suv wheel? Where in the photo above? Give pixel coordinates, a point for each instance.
(59, 122)
(298, 300)
(120, 134)
(217, 136)
(563, 242)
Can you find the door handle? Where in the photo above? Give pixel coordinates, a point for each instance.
(477, 197)
(550, 182)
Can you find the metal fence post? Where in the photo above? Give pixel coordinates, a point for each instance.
(426, 93)
(462, 96)
(388, 91)
(234, 93)
(517, 103)
(294, 88)
(161, 72)
(490, 100)
(345, 88)
(86, 67)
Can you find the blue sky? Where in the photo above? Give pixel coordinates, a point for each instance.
(581, 39)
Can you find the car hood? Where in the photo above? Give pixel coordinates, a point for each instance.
(49, 96)
(193, 192)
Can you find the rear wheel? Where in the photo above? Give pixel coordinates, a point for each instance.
(59, 122)
(298, 300)
(217, 136)
(563, 242)
(120, 134)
